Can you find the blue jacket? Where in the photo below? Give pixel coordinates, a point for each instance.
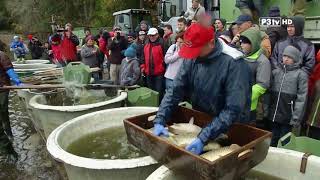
(15, 44)
(218, 84)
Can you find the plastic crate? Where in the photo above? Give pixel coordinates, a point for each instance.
(301, 144)
(254, 147)
(143, 97)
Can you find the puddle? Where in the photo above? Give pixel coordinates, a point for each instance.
(34, 162)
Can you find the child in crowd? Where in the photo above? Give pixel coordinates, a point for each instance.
(18, 48)
(130, 68)
(289, 91)
(259, 65)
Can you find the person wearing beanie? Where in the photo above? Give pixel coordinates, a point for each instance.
(130, 68)
(259, 65)
(89, 53)
(216, 80)
(289, 89)
(131, 38)
(295, 35)
(220, 26)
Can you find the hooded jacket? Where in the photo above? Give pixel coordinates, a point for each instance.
(288, 93)
(218, 84)
(307, 48)
(259, 65)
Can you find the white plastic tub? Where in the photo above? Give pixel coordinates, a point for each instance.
(280, 163)
(80, 168)
(53, 116)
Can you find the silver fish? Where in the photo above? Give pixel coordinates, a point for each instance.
(184, 128)
(183, 140)
(216, 154)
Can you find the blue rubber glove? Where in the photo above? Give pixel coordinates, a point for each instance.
(160, 130)
(196, 147)
(14, 77)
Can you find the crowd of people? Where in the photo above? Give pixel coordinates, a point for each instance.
(229, 72)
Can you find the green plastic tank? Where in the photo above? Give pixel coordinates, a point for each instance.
(301, 144)
(143, 97)
(77, 72)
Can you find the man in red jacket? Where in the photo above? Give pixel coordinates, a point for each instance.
(153, 62)
(69, 45)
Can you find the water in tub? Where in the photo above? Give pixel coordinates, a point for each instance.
(75, 94)
(110, 143)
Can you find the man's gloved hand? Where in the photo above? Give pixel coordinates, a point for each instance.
(160, 130)
(195, 147)
(14, 77)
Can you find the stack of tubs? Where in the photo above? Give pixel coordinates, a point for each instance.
(81, 168)
(31, 66)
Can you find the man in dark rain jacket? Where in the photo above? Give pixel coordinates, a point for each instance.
(217, 81)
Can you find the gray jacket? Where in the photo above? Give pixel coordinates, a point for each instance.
(173, 61)
(260, 70)
(289, 94)
(129, 72)
(89, 56)
(307, 53)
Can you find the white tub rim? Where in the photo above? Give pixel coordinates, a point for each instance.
(33, 61)
(59, 154)
(163, 171)
(33, 103)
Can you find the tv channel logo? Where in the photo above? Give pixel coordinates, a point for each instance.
(274, 21)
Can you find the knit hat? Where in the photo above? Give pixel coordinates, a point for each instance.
(292, 52)
(89, 38)
(274, 11)
(130, 52)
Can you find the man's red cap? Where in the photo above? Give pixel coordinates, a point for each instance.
(195, 37)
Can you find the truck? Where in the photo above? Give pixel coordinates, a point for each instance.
(130, 19)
